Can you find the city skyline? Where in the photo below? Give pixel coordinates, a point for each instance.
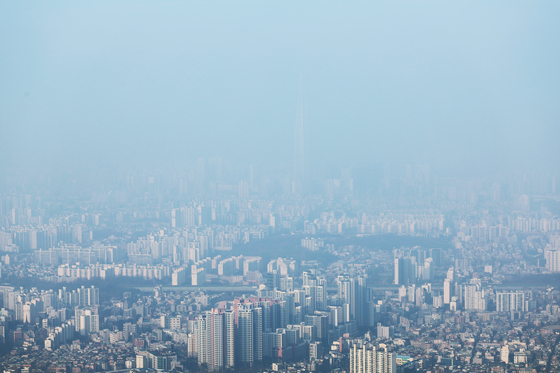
(456, 86)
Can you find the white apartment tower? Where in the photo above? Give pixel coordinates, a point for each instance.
(370, 359)
(210, 340)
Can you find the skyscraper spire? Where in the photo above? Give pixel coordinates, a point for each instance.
(299, 161)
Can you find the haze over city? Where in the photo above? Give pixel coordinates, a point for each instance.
(455, 85)
(244, 186)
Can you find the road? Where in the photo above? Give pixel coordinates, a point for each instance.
(207, 288)
(330, 289)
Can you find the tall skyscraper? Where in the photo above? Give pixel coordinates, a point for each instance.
(352, 292)
(447, 291)
(229, 339)
(405, 269)
(250, 327)
(399, 271)
(299, 159)
(257, 334)
(243, 189)
(245, 336)
(210, 339)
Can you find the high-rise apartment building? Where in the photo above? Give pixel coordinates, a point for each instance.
(371, 359)
(510, 301)
(353, 292)
(447, 291)
(86, 321)
(211, 348)
(251, 321)
(474, 297)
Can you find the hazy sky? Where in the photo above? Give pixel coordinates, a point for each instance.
(453, 83)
